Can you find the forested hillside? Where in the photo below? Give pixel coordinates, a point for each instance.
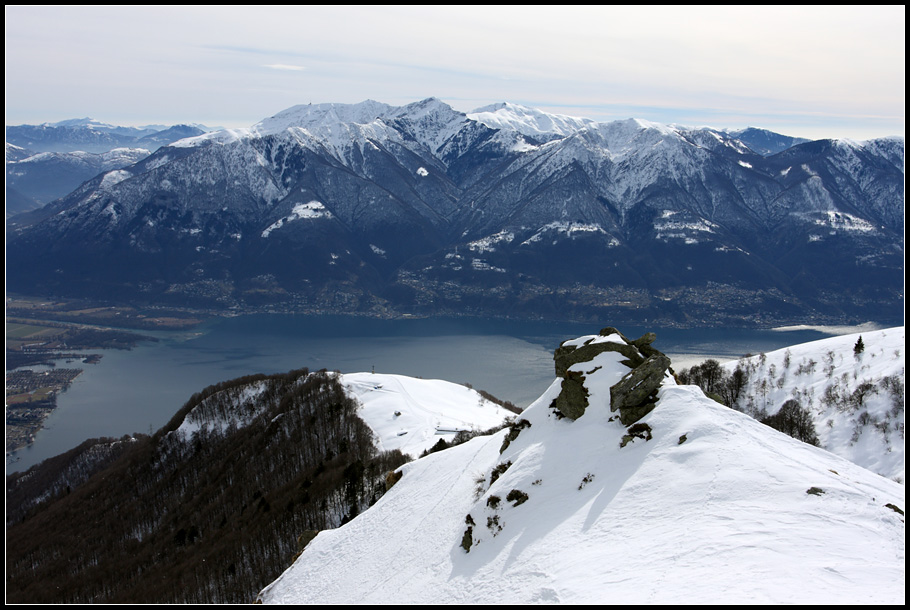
(207, 510)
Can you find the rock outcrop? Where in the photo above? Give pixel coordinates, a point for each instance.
(634, 396)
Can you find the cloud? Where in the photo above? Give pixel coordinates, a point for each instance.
(284, 67)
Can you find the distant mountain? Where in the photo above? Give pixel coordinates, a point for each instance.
(16, 201)
(507, 211)
(693, 503)
(88, 135)
(44, 177)
(154, 141)
(764, 142)
(16, 153)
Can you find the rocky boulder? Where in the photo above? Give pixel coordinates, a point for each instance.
(633, 396)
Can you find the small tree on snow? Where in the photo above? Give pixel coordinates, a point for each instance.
(859, 347)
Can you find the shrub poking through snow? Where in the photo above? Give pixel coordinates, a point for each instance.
(391, 478)
(495, 474)
(516, 496)
(587, 479)
(514, 430)
(468, 538)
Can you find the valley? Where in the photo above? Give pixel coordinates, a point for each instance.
(37, 339)
(438, 245)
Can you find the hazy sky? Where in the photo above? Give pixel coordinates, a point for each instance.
(803, 71)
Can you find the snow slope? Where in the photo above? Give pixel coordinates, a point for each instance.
(716, 507)
(856, 405)
(413, 414)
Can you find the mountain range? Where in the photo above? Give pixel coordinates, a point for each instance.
(91, 136)
(505, 211)
(51, 160)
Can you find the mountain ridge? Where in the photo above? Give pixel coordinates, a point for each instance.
(693, 503)
(409, 188)
(710, 503)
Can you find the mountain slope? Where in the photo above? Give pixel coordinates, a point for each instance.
(88, 135)
(411, 415)
(713, 507)
(855, 400)
(210, 508)
(48, 176)
(422, 209)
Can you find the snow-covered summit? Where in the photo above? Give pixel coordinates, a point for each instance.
(312, 116)
(86, 122)
(411, 415)
(695, 503)
(528, 121)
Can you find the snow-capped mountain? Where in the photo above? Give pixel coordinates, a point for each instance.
(855, 396)
(89, 135)
(541, 126)
(694, 503)
(765, 142)
(51, 175)
(506, 210)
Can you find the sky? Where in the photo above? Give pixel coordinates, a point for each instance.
(803, 71)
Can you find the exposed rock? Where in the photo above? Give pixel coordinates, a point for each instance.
(573, 399)
(633, 396)
(514, 430)
(305, 538)
(567, 355)
(639, 430)
(636, 394)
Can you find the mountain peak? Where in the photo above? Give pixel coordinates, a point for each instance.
(556, 509)
(310, 116)
(528, 121)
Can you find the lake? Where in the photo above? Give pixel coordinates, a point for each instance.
(141, 389)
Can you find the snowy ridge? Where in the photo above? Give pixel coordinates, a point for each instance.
(528, 121)
(411, 415)
(713, 507)
(316, 116)
(233, 407)
(855, 400)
